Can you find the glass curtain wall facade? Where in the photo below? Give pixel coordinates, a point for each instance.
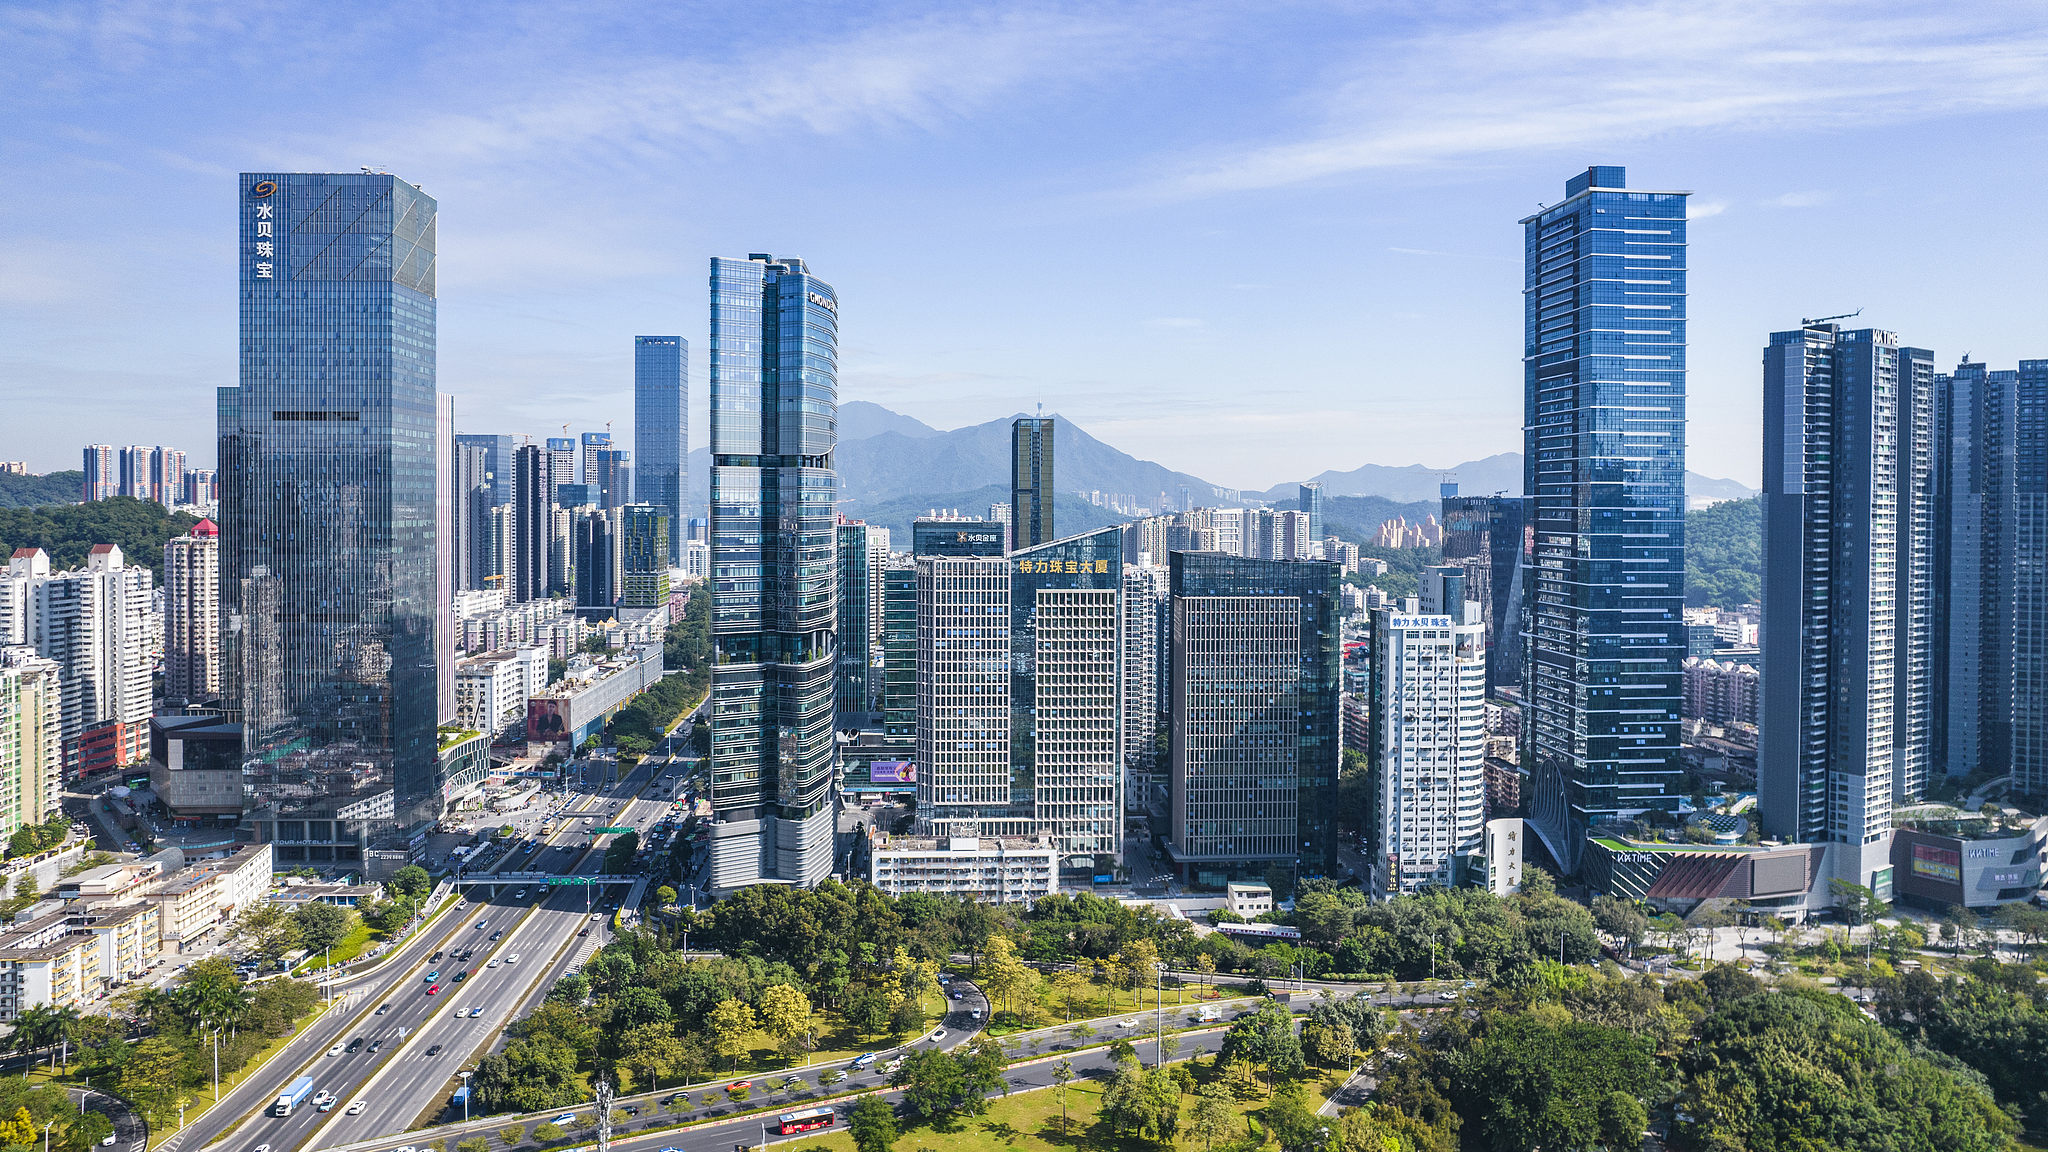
(1031, 483)
(1604, 340)
(561, 466)
(860, 632)
(899, 657)
(1312, 506)
(1487, 535)
(661, 430)
(1256, 737)
(774, 426)
(330, 510)
(643, 556)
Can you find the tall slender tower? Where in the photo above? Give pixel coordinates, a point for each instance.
(192, 667)
(1603, 371)
(774, 407)
(331, 504)
(1848, 558)
(1031, 483)
(661, 431)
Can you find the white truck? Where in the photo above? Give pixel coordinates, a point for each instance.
(294, 1094)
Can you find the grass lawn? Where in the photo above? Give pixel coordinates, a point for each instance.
(359, 939)
(1100, 1001)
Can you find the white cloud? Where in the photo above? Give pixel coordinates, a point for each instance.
(1701, 209)
(1611, 73)
(1800, 199)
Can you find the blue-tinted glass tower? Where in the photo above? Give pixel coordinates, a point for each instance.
(1603, 370)
(1312, 503)
(661, 431)
(774, 425)
(330, 449)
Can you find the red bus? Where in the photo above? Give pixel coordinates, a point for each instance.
(790, 1123)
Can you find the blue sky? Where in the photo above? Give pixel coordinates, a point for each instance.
(1250, 241)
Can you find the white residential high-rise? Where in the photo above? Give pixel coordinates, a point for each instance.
(98, 624)
(963, 696)
(1428, 737)
(192, 653)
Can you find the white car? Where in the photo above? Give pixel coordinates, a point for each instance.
(938, 1034)
(334, 1051)
(512, 959)
(356, 1108)
(492, 964)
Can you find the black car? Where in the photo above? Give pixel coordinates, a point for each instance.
(383, 1008)
(438, 953)
(495, 935)
(355, 1044)
(434, 1051)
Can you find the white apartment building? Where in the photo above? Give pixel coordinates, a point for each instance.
(995, 870)
(192, 652)
(1428, 689)
(100, 626)
(491, 690)
(696, 560)
(963, 698)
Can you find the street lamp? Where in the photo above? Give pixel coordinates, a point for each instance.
(1432, 956)
(465, 1096)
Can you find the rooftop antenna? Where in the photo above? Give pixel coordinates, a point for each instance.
(1825, 319)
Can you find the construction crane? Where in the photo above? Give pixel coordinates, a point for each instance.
(1825, 319)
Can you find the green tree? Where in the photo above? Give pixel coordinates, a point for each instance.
(651, 1051)
(86, 1132)
(930, 1081)
(1527, 1084)
(1215, 1117)
(1804, 1069)
(732, 1026)
(785, 1013)
(1724, 553)
(267, 931)
(548, 1132)
(475, 1144)
(873, 1124)
(410, 882)
(322, 925)
(513, 1135)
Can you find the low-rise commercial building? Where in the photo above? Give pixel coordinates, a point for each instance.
(1992, 857)
(577, 706)
(1004, 870)
(491, 689)
(43, 962)
(1249, 899)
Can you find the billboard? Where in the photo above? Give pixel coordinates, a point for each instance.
(547, 720)
(1937, 863)
(892, 772)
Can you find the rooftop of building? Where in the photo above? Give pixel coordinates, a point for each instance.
(1991, 821)
(886, 842)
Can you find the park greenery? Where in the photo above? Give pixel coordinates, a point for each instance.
(1724, 554)
(67, 532)
(30, 839)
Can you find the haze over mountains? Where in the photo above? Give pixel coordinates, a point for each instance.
(893, 467)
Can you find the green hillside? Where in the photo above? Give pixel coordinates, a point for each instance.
(1071, 514)
(68, 531)
(35, 491)
(1724, 548)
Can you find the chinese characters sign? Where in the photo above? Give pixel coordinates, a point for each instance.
(1048, 567)
(266, 229)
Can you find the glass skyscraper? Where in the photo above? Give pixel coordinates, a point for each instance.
(661, 430)
(774, 425)
(331, 516)
(1031, 482)
(1603, 369)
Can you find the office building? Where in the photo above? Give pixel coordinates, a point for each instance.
(774, 395)
(492, 688)
(1427, 693)
(526, 571)
(2029, 522)
(986, 870)
(592, 444)
(31, 739)
(1032, 485)
(1253, 703)
(102, 473)
(497, 461)
(643, 555)
(1848, 565)
(101, 627)
(192, 651)
(862, 557)
(611, 484)
(899, 657)
(956, 537)
(1066, 695)
(963, 698)
(1604, 296)
(1486, 535)
(661, 430)
(1311, 506)
(561, 467)
(472, 500)
(1147, 642)
(600, 556)
(332, 518)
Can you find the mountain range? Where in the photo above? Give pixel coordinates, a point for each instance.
(893, 467)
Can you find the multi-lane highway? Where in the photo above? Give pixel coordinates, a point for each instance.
(389, 1009)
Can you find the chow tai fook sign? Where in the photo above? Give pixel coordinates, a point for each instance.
(1937, 863)
(892, 772)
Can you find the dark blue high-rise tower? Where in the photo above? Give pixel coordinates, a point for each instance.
(1603, 369)
(331, 516)
(661, 431)
(774, 425)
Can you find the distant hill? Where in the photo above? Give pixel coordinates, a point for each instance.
(37, 491)
(1071, 514)
(1498, 473)
(68, 532)
(1724, 561)
(887, 458)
